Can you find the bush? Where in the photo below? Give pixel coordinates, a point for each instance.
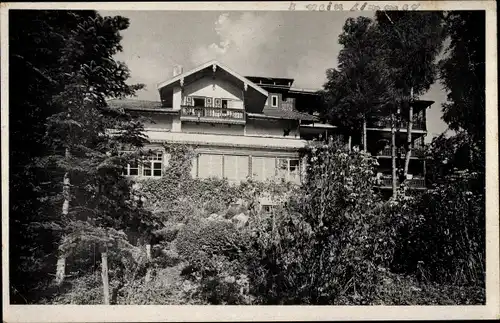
(214, 251)
(84, 290)
(444, 239)
(330, 240)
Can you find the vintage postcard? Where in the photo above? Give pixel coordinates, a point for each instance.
(249, 161)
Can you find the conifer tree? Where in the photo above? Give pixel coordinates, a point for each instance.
(84, 199)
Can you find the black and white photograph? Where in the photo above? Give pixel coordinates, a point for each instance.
(312, 153)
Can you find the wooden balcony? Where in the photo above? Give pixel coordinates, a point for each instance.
(212, 115)
(415, 183)
(416, 152)
(386, 124)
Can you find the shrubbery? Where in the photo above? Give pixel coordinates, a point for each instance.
(330, 241)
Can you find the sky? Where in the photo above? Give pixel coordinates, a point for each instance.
(290, 44)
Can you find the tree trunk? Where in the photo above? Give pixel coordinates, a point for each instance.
(364, 135)
(61, 260)
(409, 136)
(148, 258)
(349, 142)
(393, 156)
(104, 273)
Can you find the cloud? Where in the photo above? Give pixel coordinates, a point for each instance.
(242, 41)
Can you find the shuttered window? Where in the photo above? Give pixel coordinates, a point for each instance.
(235, 168)
(210, 166)
(263, 168)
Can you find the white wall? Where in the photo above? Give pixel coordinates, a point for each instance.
(177, 98)
(271, 128)
(205, 87)
(162, 121)
(223, 129)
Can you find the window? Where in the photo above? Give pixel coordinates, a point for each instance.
(132, 169)
(146, 169)
(210, 166)
(294, 172)
(274, 101)
(235, 168)
(288, 169)
(151, 166)
(199, 102)
(263, 168)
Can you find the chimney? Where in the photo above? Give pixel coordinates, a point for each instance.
(177, 70)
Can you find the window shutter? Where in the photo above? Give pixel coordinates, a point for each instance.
(188, 101)
(210, 166)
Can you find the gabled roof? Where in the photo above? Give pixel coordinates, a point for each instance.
(208, 64)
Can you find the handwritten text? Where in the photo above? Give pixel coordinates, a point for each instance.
(358, 6)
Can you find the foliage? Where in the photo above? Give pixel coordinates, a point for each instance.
(373, 74)
(177, 197)
(443, 240)
(68, 59)
(214, 250)
(359, 88)
(406, 290)
(331, 241)
(457, 152)
(411, 36)
(463, 73)
(84, 290)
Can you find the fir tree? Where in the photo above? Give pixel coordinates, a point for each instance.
(85, 198)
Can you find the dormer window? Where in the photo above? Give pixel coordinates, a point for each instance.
(274, 101)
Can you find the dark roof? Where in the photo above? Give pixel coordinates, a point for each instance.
(142, 105)
(275, 113)
(277, 81)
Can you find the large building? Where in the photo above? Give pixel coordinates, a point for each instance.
(248, 127)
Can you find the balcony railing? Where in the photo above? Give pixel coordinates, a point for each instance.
(415, 152)
(416, 182)
(417, 124)
(202, 114)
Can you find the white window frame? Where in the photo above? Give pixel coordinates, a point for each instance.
(288, 173)
(156, 157)
(151, 160)
(272, 101)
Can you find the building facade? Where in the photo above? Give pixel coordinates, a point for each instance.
(243, 127)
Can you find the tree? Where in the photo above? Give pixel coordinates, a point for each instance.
(412, 42)
(80, 162)
(462, 73)
(357, 90)
(374, 76)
